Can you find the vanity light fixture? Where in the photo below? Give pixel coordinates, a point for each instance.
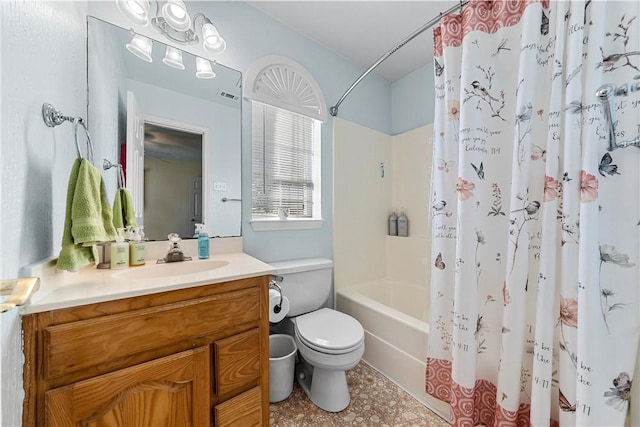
(172, 20)
(135, 10)
(204, 68)
(141, 47)
(173, 58)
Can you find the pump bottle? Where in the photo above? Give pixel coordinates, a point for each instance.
(119, 252)
(403, 225)
(393, 224)
(136, 249)
(203, 242)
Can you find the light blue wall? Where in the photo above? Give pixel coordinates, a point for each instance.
(48, 65)
(412, 100)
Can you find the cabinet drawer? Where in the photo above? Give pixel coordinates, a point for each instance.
(237, 361)
(78, 345)
(244, 410)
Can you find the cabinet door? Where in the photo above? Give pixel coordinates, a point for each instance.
(172, 391)
(237, 362)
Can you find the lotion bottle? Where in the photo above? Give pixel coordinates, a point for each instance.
(403, 225)
(119, 252)
(136, 249)
(393, 224)
(203, 242)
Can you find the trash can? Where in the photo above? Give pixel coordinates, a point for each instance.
(282, 361)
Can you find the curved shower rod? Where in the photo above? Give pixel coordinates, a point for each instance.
(334, 110)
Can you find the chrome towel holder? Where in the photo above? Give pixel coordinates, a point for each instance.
(606, 94)
(106, 165)
(53, 117)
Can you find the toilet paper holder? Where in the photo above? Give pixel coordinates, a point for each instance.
(274, 285)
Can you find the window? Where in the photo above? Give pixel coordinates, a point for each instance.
(288, 108)
(285, 163)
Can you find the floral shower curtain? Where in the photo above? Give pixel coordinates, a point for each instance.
(535, 292)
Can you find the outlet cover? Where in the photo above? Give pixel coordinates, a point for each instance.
(219, 186)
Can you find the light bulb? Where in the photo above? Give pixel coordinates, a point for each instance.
(212, 41)
(141, 47)
(173, 58)
(135, 10)
(203, 69)
(175, 14)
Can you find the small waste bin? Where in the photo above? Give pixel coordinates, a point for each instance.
(282, 361)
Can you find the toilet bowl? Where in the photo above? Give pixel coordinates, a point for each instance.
(329, 342)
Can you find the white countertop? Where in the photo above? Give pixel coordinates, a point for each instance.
(63, 289)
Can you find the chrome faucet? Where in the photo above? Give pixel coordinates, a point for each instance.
(175, 253)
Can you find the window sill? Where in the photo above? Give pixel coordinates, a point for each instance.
(276, 224)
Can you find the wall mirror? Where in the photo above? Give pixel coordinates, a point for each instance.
(177, 135)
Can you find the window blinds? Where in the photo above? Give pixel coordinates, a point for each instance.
(282, 162)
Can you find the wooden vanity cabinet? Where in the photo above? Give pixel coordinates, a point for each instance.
(196, 356)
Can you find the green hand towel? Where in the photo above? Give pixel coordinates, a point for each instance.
(123, 215)
(118, 213)
(88, 218)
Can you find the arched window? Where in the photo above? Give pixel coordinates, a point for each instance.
(287, 110)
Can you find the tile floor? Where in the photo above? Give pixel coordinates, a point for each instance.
(375, 401)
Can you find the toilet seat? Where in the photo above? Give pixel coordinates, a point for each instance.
(329, 331)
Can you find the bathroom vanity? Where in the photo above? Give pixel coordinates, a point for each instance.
(190, 350)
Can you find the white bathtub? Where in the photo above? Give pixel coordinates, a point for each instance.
(395, 319)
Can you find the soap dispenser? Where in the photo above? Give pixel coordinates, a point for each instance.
(393, 224)
(119, 252)
(136, 249)
(403, 225)
(203, 242)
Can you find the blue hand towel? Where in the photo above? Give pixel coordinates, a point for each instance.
(88, 219)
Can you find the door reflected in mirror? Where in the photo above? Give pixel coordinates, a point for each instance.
(173, 181)
(181, 145)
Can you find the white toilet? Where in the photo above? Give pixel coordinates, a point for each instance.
(329, 342)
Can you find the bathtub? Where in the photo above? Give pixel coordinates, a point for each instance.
(394, 316)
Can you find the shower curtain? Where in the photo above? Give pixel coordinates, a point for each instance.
(535, 291)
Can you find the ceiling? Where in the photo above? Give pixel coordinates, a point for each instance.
(363, 31)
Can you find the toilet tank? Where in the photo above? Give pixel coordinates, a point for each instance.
(305, 282)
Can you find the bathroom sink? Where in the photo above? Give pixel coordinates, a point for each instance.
(152, 271)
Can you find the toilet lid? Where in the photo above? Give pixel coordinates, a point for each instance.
(327, 329)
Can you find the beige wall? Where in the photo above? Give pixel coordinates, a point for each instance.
(363, 201)
(408, 257)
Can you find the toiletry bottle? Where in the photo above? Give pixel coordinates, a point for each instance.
(136, 249)
(403, 225)
(203, 242)
(119, 251)
(393, 224)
